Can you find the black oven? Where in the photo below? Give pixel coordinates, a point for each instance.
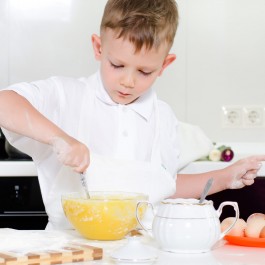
(21, 205)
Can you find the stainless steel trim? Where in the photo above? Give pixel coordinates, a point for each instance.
(23, 215)
(24, 212)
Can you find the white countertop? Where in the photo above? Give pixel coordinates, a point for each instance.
(223, 254)
(27, 168)
(241, 150)
(205, 166)
(17, 169)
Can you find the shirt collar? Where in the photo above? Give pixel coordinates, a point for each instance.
(144, 105)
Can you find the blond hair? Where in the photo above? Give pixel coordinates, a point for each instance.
(145, 23)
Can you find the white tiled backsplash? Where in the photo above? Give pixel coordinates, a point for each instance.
(219, 47)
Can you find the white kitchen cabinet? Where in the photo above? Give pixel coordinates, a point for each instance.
(4, 43)
(49, 38)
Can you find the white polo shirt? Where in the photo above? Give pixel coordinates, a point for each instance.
(120, 131)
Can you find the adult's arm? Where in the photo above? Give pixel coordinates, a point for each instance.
(241, 173)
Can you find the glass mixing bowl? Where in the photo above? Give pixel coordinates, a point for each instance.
(105, 215)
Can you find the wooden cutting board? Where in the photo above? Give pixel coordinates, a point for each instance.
(69, 253)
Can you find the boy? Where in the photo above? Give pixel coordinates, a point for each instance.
(113, 113)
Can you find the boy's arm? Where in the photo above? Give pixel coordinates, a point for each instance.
(235, 176)
(19, 116)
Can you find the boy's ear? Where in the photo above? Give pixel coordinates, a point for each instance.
(170, 58)
(96, 42)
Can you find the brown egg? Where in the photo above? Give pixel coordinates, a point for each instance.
(255, 224)
(237, 230)
(256, 216)
(262, 232)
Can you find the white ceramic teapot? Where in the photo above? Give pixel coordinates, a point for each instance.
(186, 226)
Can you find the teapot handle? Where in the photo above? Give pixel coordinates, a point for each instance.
(138, 219)
(219, 211)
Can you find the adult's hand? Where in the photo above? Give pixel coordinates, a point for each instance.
(243, 172)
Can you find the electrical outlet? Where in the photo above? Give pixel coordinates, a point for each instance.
(253, 116)
(232, 116)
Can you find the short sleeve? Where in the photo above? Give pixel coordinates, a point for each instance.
(51, 98)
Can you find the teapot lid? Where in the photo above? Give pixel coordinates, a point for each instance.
(134, 251)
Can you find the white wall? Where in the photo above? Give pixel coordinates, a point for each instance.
(219, 46)
(226, 42)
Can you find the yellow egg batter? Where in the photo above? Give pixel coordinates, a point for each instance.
(102, 219)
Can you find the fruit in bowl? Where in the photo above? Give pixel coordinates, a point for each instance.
(105, 215)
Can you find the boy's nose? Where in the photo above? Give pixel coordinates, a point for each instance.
(127, 81)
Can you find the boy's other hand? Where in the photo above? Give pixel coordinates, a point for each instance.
(243, 172)
(71, 153)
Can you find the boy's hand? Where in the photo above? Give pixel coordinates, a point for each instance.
(71, 153)
(243, 172)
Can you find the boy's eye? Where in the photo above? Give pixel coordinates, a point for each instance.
(145, 73)
(116, 66)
